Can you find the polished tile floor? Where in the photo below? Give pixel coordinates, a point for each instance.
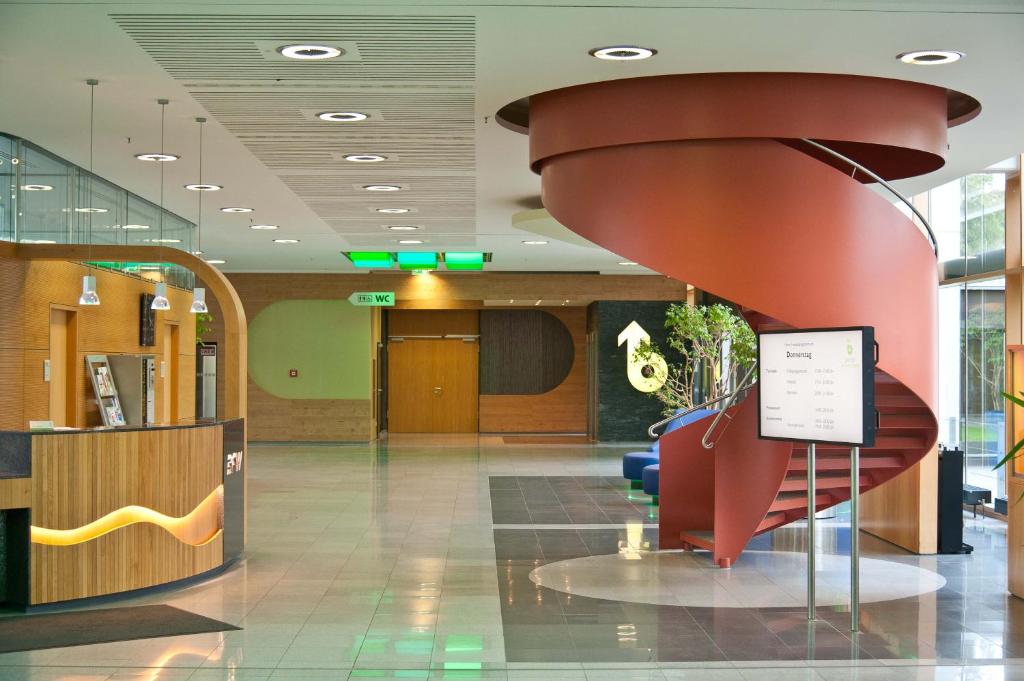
(385, 562)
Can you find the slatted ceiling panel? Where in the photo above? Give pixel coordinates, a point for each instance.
(431, 242)
(427, 226)
(418, 72)
(223, 46)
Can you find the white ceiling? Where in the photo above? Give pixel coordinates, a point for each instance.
(433, 75)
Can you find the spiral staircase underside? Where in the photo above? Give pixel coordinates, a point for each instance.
(706, 179)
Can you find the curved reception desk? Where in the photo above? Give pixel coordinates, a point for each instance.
(96, 512)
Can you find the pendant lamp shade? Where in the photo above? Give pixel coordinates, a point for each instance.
(89, 295)
(160, 302)
(198, 301)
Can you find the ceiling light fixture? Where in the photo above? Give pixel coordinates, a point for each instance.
(164, 241)
(135, 227)
(286, 241)
(464, 260)
(89, 295)
(36, 241)
(364, 158)
(623, 53)
(36, 187)
(310, 52)
(342, 116)
(159, 158)
(627, 263)
(199, 293)
(371, 259)
(392, 211)
(204, 187)
(929, 57)
(403, 228)
(535, 243)
(215, 262)
(381, 187)
(417, 260)
(91, 210)
(236, 209)
(264, 227)
(410, 242)
(160, 301)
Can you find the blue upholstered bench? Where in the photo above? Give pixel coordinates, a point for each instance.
(634, 463)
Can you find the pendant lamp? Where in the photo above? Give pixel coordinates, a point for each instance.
(89, 295)
(160, 302)
(199, 294)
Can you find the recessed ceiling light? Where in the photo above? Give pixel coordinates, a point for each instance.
(36, 187)
(263, 227)
(364, 158)
(216, 262)
(627, 263)
(204, 187)
(623, 53)
(286, 241)
(342, 116)
(161, 158)
(381, 187)
(310, 52)
(135, 227)
(164, 241)
(536, 243)
(409, 242)
(930, 57)
(403, 228)
(235, 209)
(393, 211)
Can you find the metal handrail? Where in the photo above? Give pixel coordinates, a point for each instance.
(877, 178)
(687, 412)
(745, 385)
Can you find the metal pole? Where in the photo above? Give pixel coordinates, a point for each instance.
(854, 539)
(811, 508)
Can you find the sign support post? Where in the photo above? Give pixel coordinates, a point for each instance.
(854, 539)
(811, 494)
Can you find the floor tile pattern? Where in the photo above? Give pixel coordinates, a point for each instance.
(537, 499)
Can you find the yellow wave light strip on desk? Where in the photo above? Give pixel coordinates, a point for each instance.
(199, 527)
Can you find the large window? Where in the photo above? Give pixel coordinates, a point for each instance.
(968, 218)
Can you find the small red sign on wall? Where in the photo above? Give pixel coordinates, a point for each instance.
(293, 373)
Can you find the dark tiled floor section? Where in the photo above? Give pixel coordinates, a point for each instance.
(553, 500)
(971, 619)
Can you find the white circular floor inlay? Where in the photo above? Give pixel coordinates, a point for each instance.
(759, 579)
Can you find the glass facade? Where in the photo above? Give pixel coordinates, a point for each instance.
(54, 201)
(968, 216)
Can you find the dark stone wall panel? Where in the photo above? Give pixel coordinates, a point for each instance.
(523, 352)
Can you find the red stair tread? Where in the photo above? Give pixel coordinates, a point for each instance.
(702, 539)
(843, 463)
(790, 501)
(822, 482)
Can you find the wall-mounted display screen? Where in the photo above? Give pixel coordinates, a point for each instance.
(817, 385)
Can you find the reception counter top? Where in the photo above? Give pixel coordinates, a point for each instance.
(95, 512)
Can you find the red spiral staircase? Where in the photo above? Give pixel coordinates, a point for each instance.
(709, 179)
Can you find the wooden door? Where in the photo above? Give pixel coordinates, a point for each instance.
(433, 386)
(169, 373)
(63, 366)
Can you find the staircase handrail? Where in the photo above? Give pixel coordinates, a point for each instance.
(686, 412)
(878, 178)
(747, 381)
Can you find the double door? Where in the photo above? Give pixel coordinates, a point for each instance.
(433, 372)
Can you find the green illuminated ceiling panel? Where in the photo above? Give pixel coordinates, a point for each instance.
(371, 259)
(464, 260)
(416, 260)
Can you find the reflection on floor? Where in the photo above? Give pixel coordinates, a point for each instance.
(369, 562)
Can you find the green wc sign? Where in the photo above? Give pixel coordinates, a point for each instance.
(372, 298)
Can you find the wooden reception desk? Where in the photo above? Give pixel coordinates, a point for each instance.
(96, 512)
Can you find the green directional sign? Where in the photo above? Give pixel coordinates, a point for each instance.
(373, 298)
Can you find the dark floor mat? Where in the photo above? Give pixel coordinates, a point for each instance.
(106, 625)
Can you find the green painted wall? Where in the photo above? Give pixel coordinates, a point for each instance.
(327, 341)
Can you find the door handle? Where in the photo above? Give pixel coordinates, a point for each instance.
(437, 390)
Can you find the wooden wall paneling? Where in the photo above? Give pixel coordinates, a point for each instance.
(15, 493)
(78, 478)
(433, 322)
(12, 359)
(1015, 536)
(561, 410)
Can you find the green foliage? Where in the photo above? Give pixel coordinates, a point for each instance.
(204, 321)
(700, 336)
(1019, 445)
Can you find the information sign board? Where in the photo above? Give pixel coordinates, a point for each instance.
(817, 385)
